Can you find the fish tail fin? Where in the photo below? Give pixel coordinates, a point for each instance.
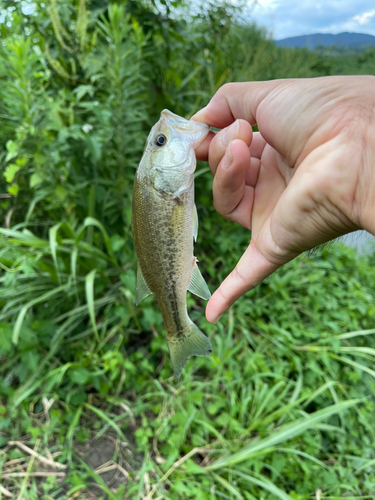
(192, 343)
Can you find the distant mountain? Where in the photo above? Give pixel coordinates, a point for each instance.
(325, 40)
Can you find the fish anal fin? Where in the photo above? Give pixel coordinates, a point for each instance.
(142, 288)
(192, 343)
(197, 284)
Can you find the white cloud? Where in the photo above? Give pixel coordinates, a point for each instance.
(364, 18)
(284, 18)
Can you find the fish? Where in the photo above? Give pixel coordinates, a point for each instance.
(165, 226)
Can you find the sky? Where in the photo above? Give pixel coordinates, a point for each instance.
(285, 18)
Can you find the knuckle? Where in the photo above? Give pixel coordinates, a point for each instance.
(221, 209)
(226, 298)
(222, 293)
(237, 276)
(315, 189)
(225, 89)
(218, 207)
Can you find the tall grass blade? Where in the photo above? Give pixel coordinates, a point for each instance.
(358, 350)
(25, 308)
(53, 246)
(232, 490)
(354, 364)
(89, 286)
(109, 421)
(286, 432)
(90, 221)
(304, 455)
(73, 264)
(358, 333)
(366, 466)
(24, 238)
(319, 391)
(263, 483)
(72, 426)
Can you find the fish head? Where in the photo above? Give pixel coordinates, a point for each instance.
(172, 141)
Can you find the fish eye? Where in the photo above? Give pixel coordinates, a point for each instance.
(160, 140)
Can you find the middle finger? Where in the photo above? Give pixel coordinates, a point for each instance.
(240, 129)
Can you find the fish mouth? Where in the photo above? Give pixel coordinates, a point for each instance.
(198, 131)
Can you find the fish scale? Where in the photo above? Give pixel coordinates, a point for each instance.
(165, 273)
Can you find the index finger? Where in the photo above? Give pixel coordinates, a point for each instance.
(239, 100)
(230, 102)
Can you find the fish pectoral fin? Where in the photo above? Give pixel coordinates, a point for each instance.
(192, 343)
(197, 284)
(142, 289)
(195, 223)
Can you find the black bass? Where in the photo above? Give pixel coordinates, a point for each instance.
(164, 224)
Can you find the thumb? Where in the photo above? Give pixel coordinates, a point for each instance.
(255, 265)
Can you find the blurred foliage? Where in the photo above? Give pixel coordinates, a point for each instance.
(358, 64)
(263, 418)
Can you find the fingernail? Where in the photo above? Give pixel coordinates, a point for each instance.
(227, 160)
(230, 133)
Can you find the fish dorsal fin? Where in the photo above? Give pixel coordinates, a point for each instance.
(195, 223)
(142, 288)
(197, 284)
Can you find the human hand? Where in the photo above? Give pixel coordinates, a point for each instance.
(305, 178)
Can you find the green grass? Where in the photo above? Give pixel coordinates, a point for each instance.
(268, 415)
